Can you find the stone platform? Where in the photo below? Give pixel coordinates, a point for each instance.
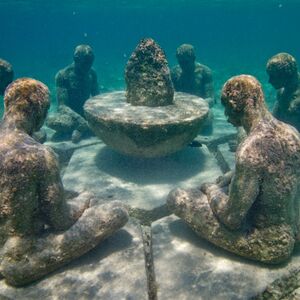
(143, 131)
(140, 183)
(181, 265)
(113, 270)
(190, 268)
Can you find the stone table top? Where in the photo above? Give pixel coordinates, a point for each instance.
(113, 107)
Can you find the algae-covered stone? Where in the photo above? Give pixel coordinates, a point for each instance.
(145, 131)
(253, 211)
(41, 230)
(147, 76)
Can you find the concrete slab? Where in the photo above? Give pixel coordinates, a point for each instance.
(140, 183)
(188, 267)
(113, 270)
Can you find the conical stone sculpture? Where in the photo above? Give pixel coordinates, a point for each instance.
(147, 76)
(149, 119)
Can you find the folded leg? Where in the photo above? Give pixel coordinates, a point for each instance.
(25, 259)
(272, 244)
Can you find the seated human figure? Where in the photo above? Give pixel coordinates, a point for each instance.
(74, 85)
(254, 210)
(6, 75)
(284, 77)
(194, 78)
(39, 230)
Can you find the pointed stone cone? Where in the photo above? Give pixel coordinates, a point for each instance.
(147, 76)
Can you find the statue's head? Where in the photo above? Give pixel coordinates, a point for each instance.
(83, 58)
(6, 75)
(282, 69)
(241, 95)
(27, 101)
(186, 57)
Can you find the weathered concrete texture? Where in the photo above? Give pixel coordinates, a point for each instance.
(141, 183)
(147, 76)
(145, 131)
(188, 267)
(113, 270)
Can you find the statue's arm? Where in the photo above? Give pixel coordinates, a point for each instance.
(276, 111)
(58, 214)
(95, 85)
(174, 77)
(294, 107)
(232, 208)
(61, 89)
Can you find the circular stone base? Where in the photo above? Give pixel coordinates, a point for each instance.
(145, 131)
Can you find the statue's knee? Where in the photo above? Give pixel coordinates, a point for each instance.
(13, 273)
(280, 250)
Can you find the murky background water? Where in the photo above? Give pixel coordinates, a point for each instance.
(231, 37)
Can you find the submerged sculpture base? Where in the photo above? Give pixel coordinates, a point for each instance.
(145, 131)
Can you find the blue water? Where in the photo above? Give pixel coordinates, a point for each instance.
(231, 37)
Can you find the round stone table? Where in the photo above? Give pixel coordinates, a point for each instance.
(144, 131)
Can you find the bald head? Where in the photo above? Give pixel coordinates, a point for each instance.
(281, 68)
(27, 99)
(83, 57)
(186, 56)
(6, 75)
(241, 94)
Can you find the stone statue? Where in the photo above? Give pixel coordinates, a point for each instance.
(74, 85)
(39, 230)
(284, 76)
(149, 119)
(194, 78)
(6, 75)
(253, 211)
(147, 76)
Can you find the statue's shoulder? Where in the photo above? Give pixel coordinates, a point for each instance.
(249, 151)
(65, 73)
(176, 72)
(203, 71)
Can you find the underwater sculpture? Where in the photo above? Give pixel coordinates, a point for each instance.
(40, 231)
(253, 211)
(6, 75)
(74, 85)
(149, 120)
(284, 77)
(194, 78)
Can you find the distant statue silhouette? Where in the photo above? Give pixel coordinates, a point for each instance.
(194, 78)
(6, 75)
(284, 76)
(74, 85)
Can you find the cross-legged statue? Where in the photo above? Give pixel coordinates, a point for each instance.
(254, 210)
(40, 230)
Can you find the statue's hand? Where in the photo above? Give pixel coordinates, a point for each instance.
(207, 187)
(82, 202)
(225, 179)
